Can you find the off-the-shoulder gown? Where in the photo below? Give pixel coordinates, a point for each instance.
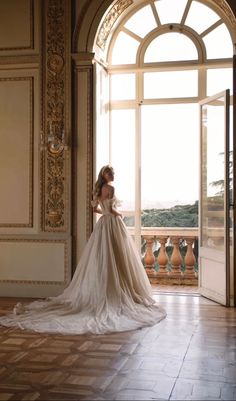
(109, 291)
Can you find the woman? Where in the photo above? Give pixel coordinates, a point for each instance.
(110, 290)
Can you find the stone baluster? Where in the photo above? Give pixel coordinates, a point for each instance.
(162, 258)
(190, 259)
(149, 258)
(176, 258)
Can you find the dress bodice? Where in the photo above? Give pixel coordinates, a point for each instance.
(106, 205)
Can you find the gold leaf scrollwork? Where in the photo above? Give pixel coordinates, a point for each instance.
(55, 63)
(55, 82)
(110, 20)
(55, 191)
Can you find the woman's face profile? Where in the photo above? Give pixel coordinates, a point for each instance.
(109, 175)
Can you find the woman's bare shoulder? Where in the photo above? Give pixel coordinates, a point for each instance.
(107, 191)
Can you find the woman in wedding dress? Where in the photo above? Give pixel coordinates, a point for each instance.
(110, 290)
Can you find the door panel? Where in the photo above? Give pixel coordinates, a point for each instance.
(214, 198)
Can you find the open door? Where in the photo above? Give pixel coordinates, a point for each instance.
(214, 249)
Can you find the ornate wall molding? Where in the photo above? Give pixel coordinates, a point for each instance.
(83, 145)
(30, 81)
(41, 241)
(89, 155)
(88, 70)
(31, 60)
(109, 21)
(31, 37)
(55, 109)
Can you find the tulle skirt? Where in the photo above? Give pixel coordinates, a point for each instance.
(109, 292)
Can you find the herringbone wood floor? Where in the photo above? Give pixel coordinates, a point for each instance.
(188, 356)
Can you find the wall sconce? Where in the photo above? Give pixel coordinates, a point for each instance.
(54, 144)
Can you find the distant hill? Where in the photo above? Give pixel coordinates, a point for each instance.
(176, 216)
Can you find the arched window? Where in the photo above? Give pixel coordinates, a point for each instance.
(163, 57)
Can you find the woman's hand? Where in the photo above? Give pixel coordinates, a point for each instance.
(117, 214)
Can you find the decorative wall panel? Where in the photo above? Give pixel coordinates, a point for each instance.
(16, 25)
(16, 152)
(33, 261)
(109, 21)
(83, 153)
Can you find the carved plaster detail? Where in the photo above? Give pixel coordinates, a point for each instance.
(109, 21)
(55, 117)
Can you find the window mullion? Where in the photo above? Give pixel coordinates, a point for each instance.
(137, 215)
(202, 83)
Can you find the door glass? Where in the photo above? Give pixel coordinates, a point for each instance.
(213, 175)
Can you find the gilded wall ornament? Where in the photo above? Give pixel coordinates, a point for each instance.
(53, 140)
(110, 20)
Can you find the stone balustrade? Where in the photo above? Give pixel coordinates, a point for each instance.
(170, 255)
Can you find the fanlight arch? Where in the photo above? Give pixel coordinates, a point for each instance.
(124, 11)
(129, 39)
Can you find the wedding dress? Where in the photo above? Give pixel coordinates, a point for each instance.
(109, 292)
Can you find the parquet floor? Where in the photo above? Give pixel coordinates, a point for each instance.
(188, 356)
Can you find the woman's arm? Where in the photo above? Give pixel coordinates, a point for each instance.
(97, 209)
(116, 213)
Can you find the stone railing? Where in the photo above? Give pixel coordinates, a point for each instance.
(170, 255)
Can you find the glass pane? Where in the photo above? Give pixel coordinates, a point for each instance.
(218, 80)
(142, 22)
(221, 37)
(200, 17)
(102, 118)
(123, 155)
(213, 166)
(170, 167)
(171, 47)
(170, 11)
(125, 49)
(170, 84)
(122, 86)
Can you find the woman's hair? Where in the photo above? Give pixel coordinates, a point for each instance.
(101, 180)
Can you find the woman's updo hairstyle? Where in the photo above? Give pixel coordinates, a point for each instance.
(101, 180)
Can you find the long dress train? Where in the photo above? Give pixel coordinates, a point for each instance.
(109, 292)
